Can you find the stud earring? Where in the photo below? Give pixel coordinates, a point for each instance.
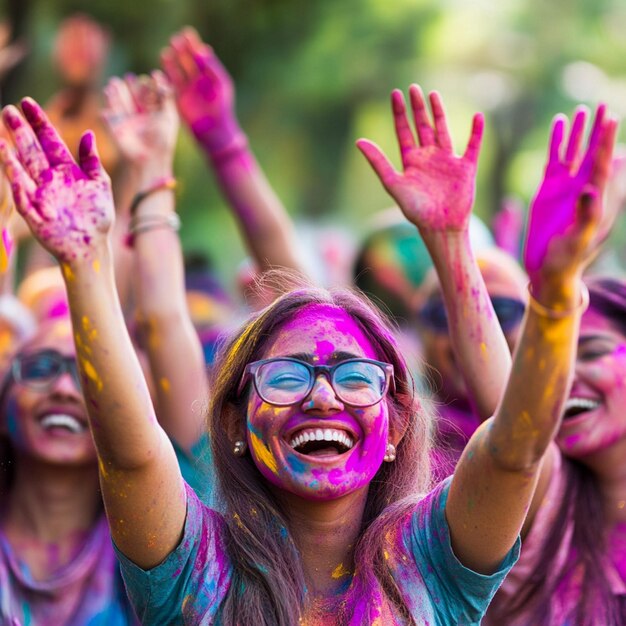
(240, 448)
(390, 453)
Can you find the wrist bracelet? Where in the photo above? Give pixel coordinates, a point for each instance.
(169, 183)
(146, 223)
(554, 314)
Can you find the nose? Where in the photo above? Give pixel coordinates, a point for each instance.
(322, 397)
(65, 385)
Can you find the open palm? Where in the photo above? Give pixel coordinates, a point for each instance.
(68, 206)
(436, 188)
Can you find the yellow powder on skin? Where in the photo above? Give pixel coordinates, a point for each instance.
(67, 272)
(92, 374)
(263, 453)
(165, 384)
(340, 571)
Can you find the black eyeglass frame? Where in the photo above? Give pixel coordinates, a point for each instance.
(314, 373)
(68, 365)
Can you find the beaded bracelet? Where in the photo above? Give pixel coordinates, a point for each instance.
(169, 183)
(553, 314)
(146, 223)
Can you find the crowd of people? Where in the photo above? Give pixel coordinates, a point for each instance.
(437, 439)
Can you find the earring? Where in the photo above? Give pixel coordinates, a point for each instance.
(240, 448)
(390, 453)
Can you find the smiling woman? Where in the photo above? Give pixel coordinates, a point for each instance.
(336, 534)
(55, 552)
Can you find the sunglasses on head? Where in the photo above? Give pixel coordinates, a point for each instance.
(509, 312)
(40, 370)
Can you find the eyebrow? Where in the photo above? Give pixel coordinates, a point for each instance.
(582, 341)
(335, 357)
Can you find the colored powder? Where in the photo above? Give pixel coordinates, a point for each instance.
(340, 571)
(165, 384)
(263, 453)
(91, 373)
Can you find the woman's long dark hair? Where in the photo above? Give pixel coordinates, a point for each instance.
(268, 585)
(583, 506)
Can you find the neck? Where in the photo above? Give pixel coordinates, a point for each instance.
(326, 534)
(50, 503)
(610, 471)
(76, 97)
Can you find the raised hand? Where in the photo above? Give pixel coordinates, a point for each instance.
(436, 188)
(566, 221)
(68, 206)
(141, 114)
(204, 93)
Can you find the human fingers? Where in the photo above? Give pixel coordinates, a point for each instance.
(22, 186)
(476, 137)
(556, 139)
(184, 55)
(89, 159)
(118, 97)
(404, 133)
(378, 161)
(425, 132)
(442, 134)
(29, 150)
(172, 69)
(53, 146)
(587, 163)
(572, 152)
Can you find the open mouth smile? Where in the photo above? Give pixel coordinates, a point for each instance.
(322, 441)
(576, 407)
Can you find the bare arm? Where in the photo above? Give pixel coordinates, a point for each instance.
(69, 208)
(436, 192)
(205, 98)
(142, 116)
(496, 477)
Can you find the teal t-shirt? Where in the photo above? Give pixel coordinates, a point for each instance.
(197, 469)
(191, 584)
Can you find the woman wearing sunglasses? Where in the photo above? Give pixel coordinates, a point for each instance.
(319, 450)
(57, 564)
(458, 417)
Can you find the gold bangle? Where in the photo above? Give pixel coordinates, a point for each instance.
(554, 314)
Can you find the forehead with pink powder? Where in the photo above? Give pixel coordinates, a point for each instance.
(321, 330)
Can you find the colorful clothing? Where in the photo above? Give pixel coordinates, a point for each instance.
(87, 592)
(564, 601)
(191, 584)
(197, 468)
(454, 428)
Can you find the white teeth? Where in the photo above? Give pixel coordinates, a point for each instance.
(62, 420)
(581, 403)
(328, 434)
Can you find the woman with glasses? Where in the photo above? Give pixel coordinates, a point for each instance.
(57, 564)
(320, 447)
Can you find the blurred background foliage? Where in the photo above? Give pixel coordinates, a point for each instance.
(312, 77)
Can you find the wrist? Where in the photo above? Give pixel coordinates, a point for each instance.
(87, 263)
(560, 292)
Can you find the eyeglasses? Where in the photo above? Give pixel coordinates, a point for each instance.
(509, 312)
(40, 370)
(284, 381)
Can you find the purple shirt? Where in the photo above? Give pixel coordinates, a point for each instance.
(191, 584)
(564, 601)
(87, 592)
